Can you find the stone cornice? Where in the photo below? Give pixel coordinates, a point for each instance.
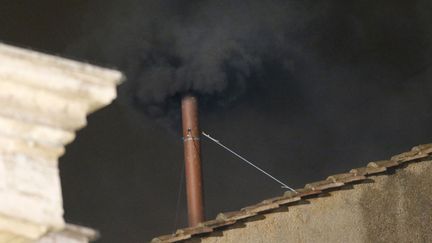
(44, 99)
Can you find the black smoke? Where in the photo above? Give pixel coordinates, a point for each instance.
(225, 49)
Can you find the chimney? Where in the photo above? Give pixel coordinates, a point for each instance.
(191, 135)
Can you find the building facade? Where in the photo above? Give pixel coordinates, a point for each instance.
(44, 100)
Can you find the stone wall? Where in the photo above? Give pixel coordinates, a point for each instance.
(44, 100)
(70, 234)
(391, 207)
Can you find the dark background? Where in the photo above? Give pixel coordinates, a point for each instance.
(359, 89)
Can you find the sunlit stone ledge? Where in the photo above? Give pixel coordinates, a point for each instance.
(44, 99)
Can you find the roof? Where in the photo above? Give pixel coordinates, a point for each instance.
(314, 189)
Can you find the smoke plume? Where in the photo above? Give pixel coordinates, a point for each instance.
(223, 49)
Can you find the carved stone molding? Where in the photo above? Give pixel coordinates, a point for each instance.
(44, 99)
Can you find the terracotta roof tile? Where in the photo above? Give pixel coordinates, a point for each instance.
(363, 171)
(200, 229)
(346, 177)
(409, 156)
(322, 185)
(236, 215)
(170, 238)
(383, 163)
(217, 223)
(303, 192)
(261, 207)
(283, 200)
(423, 148)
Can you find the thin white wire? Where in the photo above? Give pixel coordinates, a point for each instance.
(247, 161)
(179, 194)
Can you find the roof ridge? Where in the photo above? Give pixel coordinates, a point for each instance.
(311, 189)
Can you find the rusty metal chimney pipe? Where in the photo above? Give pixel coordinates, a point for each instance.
(191, 134)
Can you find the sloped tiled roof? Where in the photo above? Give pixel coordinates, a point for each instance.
(313, 189)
